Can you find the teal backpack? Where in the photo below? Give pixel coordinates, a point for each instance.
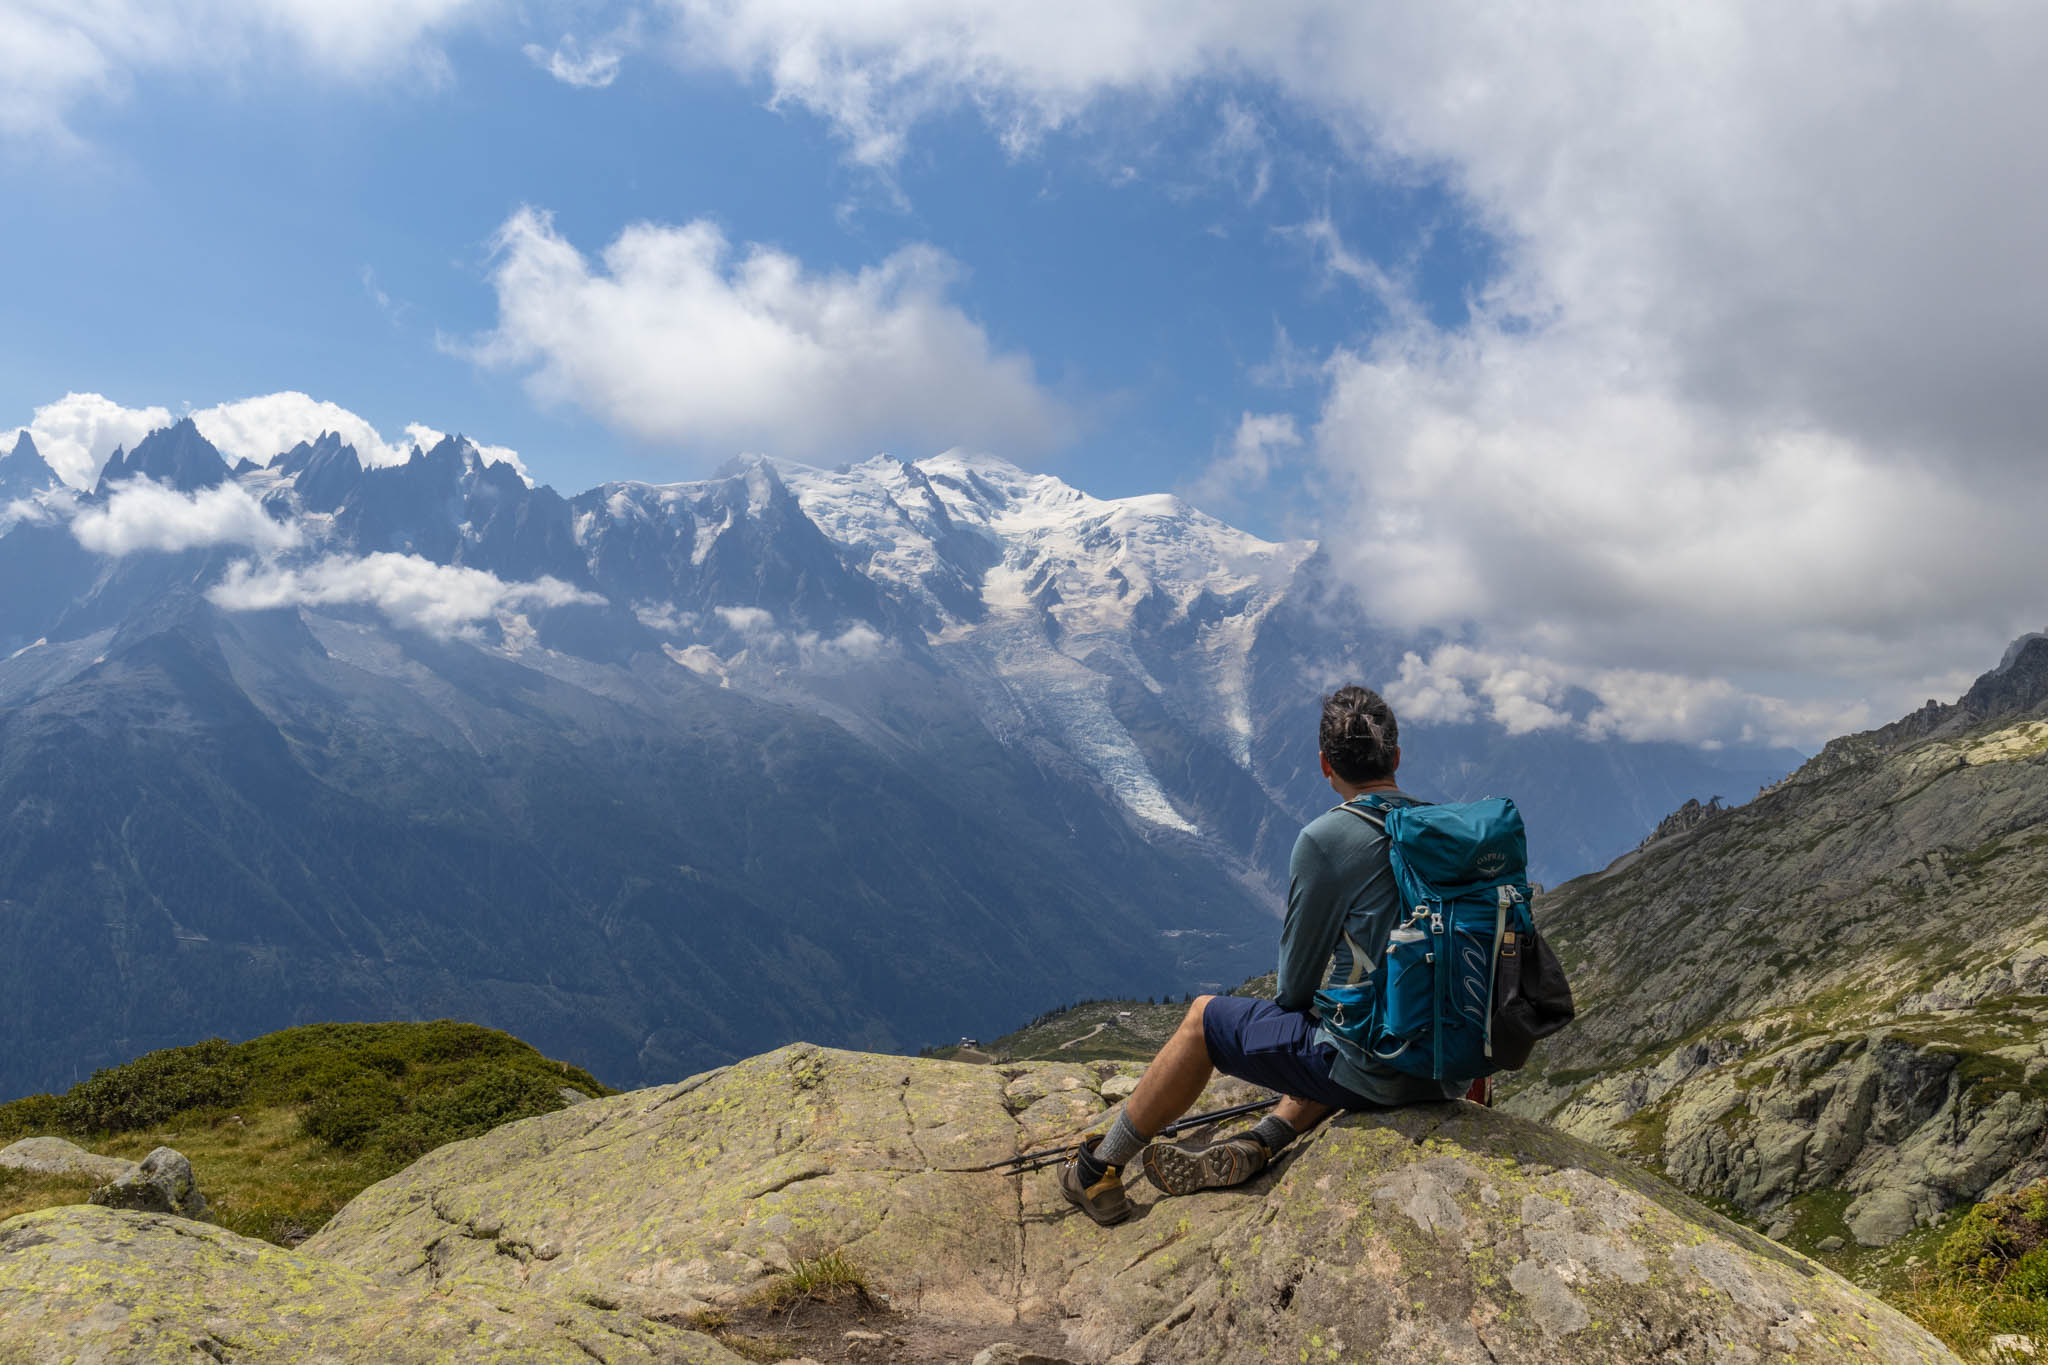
(1460, 962)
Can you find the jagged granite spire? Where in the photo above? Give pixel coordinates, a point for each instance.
(24, 470)
(176, 455)
(325, 471)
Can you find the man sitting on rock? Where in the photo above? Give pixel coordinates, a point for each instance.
(1341, 906)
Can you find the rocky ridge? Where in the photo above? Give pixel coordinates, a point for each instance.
(614, 1229)
(1827, 1005)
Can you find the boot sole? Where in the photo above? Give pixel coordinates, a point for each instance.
(1180, 1172)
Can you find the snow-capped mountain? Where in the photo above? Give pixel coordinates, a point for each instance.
(663, 773)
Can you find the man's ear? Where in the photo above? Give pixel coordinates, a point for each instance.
(1394, 763)
(1324, 759)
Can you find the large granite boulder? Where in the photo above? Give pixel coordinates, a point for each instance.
(55, 1156)
(1443, 1233)
(89, 1284)
(162, 1183)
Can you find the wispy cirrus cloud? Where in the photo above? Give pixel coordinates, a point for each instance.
(57, 54)
(1262, 441)
(587, 65)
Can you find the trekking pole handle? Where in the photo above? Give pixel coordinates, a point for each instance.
(1039, 1160)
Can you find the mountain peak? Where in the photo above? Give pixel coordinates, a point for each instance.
(177, 455)
(2018, 684)
(2018, 647)
(448, 450)
(324, 471)
(24, 470)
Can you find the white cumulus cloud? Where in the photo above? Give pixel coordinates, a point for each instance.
(141, 515)
(441, 599)
(259, 428)
(1752, 393)
(746, 620)
(79, 431)
(1523, 693)
(857, 644)
(676, 338)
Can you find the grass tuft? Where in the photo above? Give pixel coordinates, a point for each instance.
(830, 1279)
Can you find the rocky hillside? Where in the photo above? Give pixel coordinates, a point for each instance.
(652, 1226)
(1827, 1006)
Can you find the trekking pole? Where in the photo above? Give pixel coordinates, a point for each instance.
(1049, 1156)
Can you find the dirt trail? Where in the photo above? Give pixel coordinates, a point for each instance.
(1082, 1039)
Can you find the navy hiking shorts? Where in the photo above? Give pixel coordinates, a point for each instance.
(1257, 1041)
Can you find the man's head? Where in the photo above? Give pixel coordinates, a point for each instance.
(1359, 739)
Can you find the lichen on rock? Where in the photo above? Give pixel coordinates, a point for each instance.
(92, 1284)
(1446, 1232)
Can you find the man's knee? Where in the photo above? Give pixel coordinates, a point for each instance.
(1191, 1032)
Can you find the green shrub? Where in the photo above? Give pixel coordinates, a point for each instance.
(30, 1116)
(1997, 1236)
(386, 1059)
(350, 1107)
(394, 1089)
(155, 1086)
(2028, 1277)
(449, 1040)
(499, 1094)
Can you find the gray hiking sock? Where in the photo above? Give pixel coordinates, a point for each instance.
(1122, 1142)
(1275, 1132)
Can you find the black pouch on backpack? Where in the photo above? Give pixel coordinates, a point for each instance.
(1531, 999)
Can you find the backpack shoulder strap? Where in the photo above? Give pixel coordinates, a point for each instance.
(1372, 812)
(1370, 816)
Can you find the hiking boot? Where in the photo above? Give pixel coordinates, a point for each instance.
(1184, 1167)
(1104, 1201)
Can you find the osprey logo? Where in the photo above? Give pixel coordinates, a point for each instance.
(1491, 864)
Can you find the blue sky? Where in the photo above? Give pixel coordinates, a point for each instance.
(1626, 345)
(208, 243)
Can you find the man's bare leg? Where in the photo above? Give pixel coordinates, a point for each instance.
(1176, 1077)
(1092, 1179)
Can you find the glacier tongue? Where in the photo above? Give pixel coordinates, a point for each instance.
(1064, 584)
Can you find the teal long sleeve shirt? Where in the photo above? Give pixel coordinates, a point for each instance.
(1341, 906)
